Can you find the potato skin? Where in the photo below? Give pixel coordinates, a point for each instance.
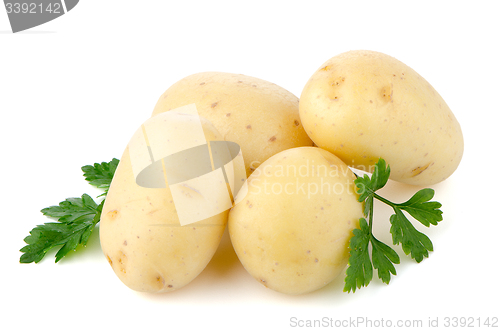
(295, 239)
(262, 117)
(141, 236)
(363, 105)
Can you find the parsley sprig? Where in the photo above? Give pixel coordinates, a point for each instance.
(76, 218)
(383, 258)
(100, 174)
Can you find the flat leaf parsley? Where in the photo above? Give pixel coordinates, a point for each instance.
(76, 218)
(383, 258)
(100, 174)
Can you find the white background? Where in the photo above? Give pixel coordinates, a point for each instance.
(73, 91)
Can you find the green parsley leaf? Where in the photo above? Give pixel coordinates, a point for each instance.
(360, 270)
(384, 259)
(367, 186)
(420, 208)
(77, 218)
(414, 243)
(71, 209)
(100, 174)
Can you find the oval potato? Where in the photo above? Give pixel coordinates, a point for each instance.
(261, 117)
(141, 235)
(363, 105)
(292, 229)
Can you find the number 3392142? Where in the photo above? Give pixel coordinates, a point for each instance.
(33, 8)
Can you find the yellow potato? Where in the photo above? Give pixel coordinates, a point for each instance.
(363, 105)
(291, 231)
(140, 231)
(261, 117)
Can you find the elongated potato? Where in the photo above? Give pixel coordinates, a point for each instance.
(261, 117)
(292, 229)
(363, 105)
(140, 231)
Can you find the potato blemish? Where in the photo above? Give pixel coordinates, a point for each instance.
(387, 93)
(122, 260)
(418, 170)
(112, 214)
(160, 280)
(338, 81)
(109, 260)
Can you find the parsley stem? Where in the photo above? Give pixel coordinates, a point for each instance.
(387, 202)
(370, 218)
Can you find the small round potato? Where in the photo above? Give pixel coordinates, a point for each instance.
(291, 231)
(140, 232)
(261, 117)
(365, 105)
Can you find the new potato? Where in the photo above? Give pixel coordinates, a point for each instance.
(363, 105)
(140, 232)
(291, 231)
(262, 117)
